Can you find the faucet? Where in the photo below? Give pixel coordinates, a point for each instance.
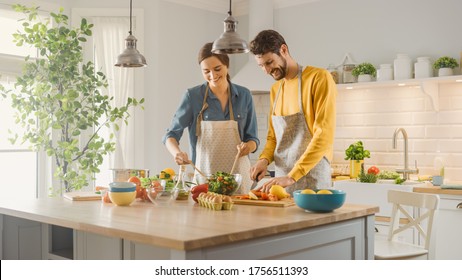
(406, 171)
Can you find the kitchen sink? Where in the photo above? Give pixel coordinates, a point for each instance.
(374, 193)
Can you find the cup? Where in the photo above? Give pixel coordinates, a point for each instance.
(437, 180)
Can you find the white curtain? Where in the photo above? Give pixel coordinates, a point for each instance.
(109, 35)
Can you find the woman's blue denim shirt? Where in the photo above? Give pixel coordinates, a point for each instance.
(191, 104)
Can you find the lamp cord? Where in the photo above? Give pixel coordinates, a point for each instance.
(229, 12)
(130, 32)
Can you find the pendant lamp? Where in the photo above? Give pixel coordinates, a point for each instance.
(229, 42)
(130, 57)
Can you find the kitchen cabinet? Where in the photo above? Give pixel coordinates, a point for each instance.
(63, 229)
(429, 86)
(449, 228)
(21, 239)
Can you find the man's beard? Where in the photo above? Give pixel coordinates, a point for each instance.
(282, 70)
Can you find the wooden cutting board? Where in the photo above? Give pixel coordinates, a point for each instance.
(280, 203)
(82, 196)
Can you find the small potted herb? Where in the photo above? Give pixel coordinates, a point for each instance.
(356, 154)
(445, 65)
(364, 72)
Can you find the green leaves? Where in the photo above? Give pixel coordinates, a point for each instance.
(58, 99)
(445, 62)
(365, 68)
(356, 151)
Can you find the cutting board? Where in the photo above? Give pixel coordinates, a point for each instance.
(82, 196)
(279, 203)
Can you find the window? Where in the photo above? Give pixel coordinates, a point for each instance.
(18, 164)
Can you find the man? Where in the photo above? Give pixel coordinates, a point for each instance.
(302, 118)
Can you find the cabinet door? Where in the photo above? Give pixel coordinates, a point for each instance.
(21, 240)
(90, 246)
(449, 231)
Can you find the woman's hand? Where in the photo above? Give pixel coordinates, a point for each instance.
(181, 158)
(246, 148)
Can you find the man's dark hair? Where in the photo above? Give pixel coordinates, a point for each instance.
(267, 41)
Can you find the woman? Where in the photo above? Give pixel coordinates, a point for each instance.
(221, 120)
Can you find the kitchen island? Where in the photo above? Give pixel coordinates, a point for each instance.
(181, 230)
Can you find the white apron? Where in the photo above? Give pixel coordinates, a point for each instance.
(216, 146)
(292, 139)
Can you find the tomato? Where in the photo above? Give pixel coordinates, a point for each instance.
(139, 189)
(198, 189)
(373, 170)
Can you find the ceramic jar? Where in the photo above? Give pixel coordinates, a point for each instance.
(385, 72)
(402, 67)
(423, 68)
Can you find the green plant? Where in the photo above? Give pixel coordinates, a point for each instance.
(58, 99)
(365, 68)
(445, 62)
(356, 151)
(366, 177)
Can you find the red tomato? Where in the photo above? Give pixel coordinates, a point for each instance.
(137, 181)
(373, 170)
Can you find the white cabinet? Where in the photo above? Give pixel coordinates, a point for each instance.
(449, 228)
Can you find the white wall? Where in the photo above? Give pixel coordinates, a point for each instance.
(318, 34)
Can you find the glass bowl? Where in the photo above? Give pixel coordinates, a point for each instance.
(224, 183)
(158, 194)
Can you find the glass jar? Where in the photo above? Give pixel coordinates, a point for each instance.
(333, 71)
(181, 191)
(348, 73)
(423, 68)
(402, 67)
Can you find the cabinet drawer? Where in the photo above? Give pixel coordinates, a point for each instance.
(451, 204)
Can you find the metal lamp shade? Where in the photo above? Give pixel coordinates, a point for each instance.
(229, 42)
(130, 57)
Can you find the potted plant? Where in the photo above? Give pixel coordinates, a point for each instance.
(364, 72)
(59, 102)
(445, 65)
(356, 154)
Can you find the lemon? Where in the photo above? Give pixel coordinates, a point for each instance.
(253, 196)
(278, 191)
(324, 192)
(308, 191)
(168, 171)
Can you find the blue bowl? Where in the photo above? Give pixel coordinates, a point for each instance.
(321, 203)
(122, 187)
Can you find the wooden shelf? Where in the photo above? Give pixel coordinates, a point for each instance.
(429, 86)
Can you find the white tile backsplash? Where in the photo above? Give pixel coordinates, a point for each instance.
(372, 116)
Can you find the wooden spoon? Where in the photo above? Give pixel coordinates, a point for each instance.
(236, 158)
(197, 169)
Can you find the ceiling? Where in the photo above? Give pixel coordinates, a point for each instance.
(239, 7)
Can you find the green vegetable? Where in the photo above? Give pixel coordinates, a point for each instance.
(366, 177)
(388, 175)
(356, 151)
(399, 181)
(222, 183)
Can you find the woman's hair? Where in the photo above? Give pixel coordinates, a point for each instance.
(267, 41)
(206, 52)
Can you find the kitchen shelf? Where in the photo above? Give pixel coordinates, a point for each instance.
(429, 86)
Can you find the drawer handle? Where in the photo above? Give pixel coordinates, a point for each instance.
(459, 206)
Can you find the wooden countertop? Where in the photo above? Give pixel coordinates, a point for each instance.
(437, 190)
(180, 225)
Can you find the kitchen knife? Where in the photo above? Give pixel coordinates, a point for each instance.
(255, 182)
